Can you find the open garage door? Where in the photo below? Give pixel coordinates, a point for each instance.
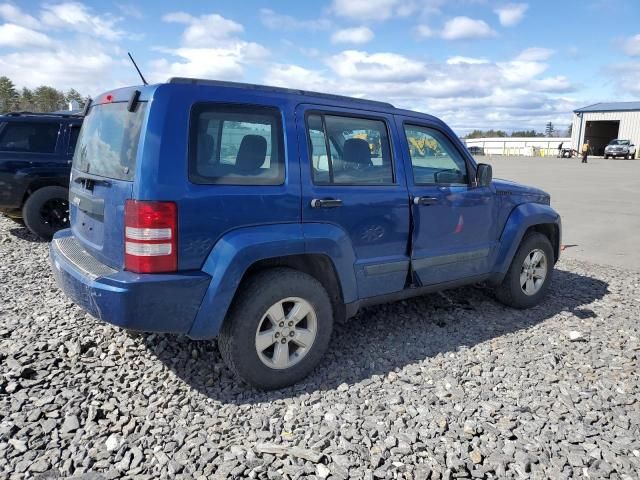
(600, 133)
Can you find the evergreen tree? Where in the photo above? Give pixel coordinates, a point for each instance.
(74, 95)
(549, 130)
(9, 98)
(26, 100)
(48, 99)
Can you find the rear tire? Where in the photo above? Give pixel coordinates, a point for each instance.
(529, 275)
(46, 211)
(263, 347)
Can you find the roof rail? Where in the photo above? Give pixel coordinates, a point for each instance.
(41, 114)
(267, 88)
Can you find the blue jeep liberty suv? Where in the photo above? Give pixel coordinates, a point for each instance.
(261, 215)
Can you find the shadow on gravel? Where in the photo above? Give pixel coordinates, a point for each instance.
(385, 338)
(23, 233)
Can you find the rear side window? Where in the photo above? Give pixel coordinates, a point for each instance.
(236, 145)
(29, 137)
(108, 141)
(349, 151)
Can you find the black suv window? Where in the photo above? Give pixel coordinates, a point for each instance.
(349, 151)
(236, 145)
(29, 137)
(435, 160)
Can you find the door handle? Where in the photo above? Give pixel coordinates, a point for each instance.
(326, 203)
(425, 200)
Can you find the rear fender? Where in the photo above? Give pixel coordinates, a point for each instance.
(522, 218)
(239, 249)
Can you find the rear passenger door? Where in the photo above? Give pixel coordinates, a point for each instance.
(353, 179)
(454, 221)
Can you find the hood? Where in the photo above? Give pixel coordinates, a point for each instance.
(520, 193)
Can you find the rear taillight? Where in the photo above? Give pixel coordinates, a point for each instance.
(150, 236)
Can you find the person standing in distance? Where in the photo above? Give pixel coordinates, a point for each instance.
(585, 151)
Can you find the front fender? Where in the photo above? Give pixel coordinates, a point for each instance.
(520, 219)
(237, 250)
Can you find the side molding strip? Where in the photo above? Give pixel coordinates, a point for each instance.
(447, 259)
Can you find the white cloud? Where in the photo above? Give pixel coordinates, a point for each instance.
(13, 14)
(90, 72)
(206, 30)
(16, 36)
(360, 10)
(457, 60)
(130, 10)
(535, 54)
(461, 28)
(209, 48)
(226, 63)
(511, 14)
(77, 17)
(376, 66)
(357, 35)
(424, 31)
(632, 46)
(466, 92)
(276, 21)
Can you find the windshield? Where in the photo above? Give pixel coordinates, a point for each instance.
(108, 141)
(619, 142)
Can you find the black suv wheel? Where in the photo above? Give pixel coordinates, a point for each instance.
(278, 328)
(46, 211)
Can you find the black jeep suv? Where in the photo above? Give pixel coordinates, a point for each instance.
(35, 162)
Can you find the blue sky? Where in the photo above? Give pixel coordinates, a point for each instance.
(475, 63)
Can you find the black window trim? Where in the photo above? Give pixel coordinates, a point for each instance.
(192, 131)
(470, 183)
(68, 129)
(59, 140)
(355, 115)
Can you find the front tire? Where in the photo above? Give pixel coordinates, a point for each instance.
(46, 211)
(277, 329)
(529, 275)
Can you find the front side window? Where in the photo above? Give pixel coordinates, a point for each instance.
(29, 137)
(349, 151)
(236, 145)
(434, 158)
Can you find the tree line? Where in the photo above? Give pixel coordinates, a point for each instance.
(41, 99)
(549, 131)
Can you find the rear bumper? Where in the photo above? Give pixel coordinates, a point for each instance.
(146, 302)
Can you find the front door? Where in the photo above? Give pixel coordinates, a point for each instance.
(454, 222)
(353, 180)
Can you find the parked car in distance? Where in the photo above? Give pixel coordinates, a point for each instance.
(620, 148)
(35, 162)
(261, 215)
(475, 150)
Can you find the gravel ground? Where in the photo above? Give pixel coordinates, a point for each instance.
(445, 386)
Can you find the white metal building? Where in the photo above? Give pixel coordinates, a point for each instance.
(602, 122)
(529, 146)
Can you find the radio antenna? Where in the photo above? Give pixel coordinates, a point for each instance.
(137, 69)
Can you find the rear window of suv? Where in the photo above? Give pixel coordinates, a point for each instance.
(108, 141)
(236, 145)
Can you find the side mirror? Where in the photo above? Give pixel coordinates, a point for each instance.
(484, 174)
